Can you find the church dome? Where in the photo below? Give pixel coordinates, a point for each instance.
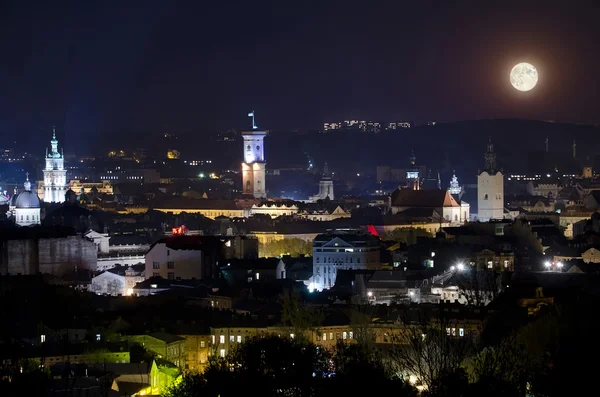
(27, 199)
(13, 199)
(3, 199)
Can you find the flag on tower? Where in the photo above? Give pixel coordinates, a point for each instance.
(251, 114)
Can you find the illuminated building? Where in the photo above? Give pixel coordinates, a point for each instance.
(351, 250)
(253, 167)
(490, 188)
(55, 174)
(455, 188)
(173, 154)
(325, 186)
(118, 281)
(399, 125)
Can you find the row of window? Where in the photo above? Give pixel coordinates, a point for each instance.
(335, 260)
(170, 275)
(33, 217)
(170, 265)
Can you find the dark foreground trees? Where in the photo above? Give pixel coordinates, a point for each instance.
(274, 366)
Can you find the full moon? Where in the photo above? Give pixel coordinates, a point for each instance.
(524, 76)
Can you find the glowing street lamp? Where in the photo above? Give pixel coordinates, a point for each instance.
(460, 266)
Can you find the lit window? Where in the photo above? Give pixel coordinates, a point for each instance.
(97, 337)
(221, 338)
(257, 276)
(292, 336)
(351, 335)
(331, 336)
(461, 332)
(202, 343)
(231, 339)
(239, 339)
(344, 335)
(42, 338)
(490, 264)
(222, 353)
(213, 339)
(453, 331)
(448, 331)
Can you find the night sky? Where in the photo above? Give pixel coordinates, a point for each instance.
(99, 70)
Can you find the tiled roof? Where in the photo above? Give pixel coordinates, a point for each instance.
(423, 198)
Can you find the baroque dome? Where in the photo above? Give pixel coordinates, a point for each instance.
(27, 199)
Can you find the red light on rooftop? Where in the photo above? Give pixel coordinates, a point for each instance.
(179, 231)
(371, 229)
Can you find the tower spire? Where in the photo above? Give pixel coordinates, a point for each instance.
(54, 132)
(574, 149)
(490, 157)
(546, 144)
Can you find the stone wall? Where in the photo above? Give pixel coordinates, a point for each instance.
(56, 256)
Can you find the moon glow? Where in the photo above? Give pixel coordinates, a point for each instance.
(524, 76)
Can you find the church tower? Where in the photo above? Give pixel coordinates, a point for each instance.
(413, 179)
(325, 186)
(254, 165)
(55, 175)
(490, 188)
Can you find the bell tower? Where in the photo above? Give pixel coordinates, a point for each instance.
(254, 165)
(490, 188)
(55, 174)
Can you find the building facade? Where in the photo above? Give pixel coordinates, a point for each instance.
(55, 174)
(351, 250)
(254, 165)
(490, 189)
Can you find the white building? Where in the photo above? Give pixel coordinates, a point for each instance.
(273, 209)
(117, 281)
(254, 165)
(343, 250)
(117, 250)
(490, 189)
(182, 258)
(325, 186)
(55, 174)
(26, 207)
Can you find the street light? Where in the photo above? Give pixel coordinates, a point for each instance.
(460, 266)
(547, 264)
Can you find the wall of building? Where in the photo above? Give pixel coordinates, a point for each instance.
(56, 256)
(186, 264)
(490, 196)
(60, 255)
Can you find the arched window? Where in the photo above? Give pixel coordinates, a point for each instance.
(455, 218)
(258, 148)
(485, 197)
(248, 148)
(27, 217)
